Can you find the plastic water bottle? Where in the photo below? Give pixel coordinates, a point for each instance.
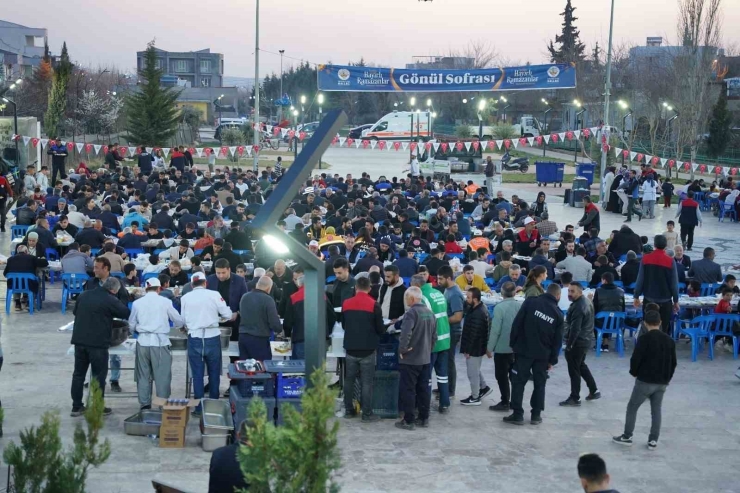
(154, 439)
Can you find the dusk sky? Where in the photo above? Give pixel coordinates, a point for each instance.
(384, 32)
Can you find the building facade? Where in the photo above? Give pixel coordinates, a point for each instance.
(190, 68)
(21, 49)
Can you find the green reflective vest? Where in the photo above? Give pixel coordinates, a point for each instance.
(436, 302)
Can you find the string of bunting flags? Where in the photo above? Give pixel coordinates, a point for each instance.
(419, 148)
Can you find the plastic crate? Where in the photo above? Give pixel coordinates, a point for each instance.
(240, 406)
(385, 393)
(282, 404)
(285, 366)
(290, 386)
(260, 384)
(386, 358)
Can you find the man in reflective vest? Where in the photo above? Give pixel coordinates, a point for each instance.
(436, 302)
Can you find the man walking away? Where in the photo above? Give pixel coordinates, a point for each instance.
(260, 320)
(201, 310)
(657, 280)
(689, 217)
(579, 339)
(633, 193)
(490, 171)
(150, 317)
(536, 336)
(652, 364)
(498, 343)
(592, 471)
(94, 313)
(363, 324)
(473, 345)
(418, 336)
(455, 307)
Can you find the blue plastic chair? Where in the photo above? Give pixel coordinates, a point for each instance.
(198, 252)
(697, 329)
(246, 252)
(613, 323)
(406, 281)
(681, 288)
(95, 251)
(630, 288)
(149, 275)
(723, 328)
(159, 250)
(490, 282)
(700, 197)
(330, 279)
(460, 256)
(708, 289)
(133, 252)
(20, 283)
(119, 275)
(619, 283)
(546, 283)
(727, 210)
(72, 284)
(18, 231)
(52, 254)
(584, 284)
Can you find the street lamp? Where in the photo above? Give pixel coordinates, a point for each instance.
(429, 102)
(320, 100)
(481, 107)
(578, 115)
(549, 109)
(412, 102)
(217, 103)
(295, 134)
(465, 101)
(503, 98)
(15, 131)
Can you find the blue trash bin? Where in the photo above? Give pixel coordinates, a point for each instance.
(586, 170)
(549, 172)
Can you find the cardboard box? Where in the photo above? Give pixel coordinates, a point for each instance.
(175, 415)
(172, 437)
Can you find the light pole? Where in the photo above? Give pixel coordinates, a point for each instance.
(578, 115)
(295, 135)
(549, 109)
(503, 98)
(481, 108)
(429, 118)
(607, 93)
(668, 131)
(255, 134)
(217, 104)
(625, 106)
(15, 129)
(280, 98)
(320, 99)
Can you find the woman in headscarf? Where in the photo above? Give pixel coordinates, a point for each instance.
(613, 203)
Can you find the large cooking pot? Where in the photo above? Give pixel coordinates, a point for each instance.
(120, 332)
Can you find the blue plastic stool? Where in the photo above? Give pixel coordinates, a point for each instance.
(72, 284)
(18, 231)
(20, 283)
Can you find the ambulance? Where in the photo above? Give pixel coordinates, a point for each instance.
(399, 125)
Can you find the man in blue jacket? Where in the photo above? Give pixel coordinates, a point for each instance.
(58, 153)
(633, 193)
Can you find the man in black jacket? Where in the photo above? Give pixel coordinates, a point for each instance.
(94, 313)
(225, 474)
(536, 336)
(363, 324)
(579, 338)
(652, 364)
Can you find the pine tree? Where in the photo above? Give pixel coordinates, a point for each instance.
(571, 49)
(720, 126)
(153, 114)
(596, 56)
(58, 94)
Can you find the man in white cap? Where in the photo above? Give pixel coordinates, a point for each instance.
(528, 239)
(150, 317)
(313, 245)
(201, 310)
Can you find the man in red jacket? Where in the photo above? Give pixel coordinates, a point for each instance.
(363, 324)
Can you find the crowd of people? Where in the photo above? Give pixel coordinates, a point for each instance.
(410, 253)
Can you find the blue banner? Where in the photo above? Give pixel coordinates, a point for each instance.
(372, 79)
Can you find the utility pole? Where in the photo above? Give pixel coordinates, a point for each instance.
(280, 97)
(607, 93)
(256, 122)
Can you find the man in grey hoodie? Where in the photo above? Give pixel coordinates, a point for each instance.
(418, 337)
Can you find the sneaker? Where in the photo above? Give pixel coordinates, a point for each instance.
(443, 409)
(719, 345)
(350, 414)
(514, 420)
(501, 406)
(623, 439)
(485, 392)
(403, 425)
(114, 387)
(78, 411)
(422, 423)
(196, 413)
(107, 411)
(471, 401)
(594, 396)
(652, 444)
(605, 349)
(372, 418)
(570, 403)
(535, 420)
(145, 408)
(227, 393)
(18, 306)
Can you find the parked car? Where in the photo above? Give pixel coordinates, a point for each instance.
(356, 133)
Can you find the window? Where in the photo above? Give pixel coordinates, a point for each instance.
(160, 63)
(181, 66)
(205, 66)
(380, 127)
(205, 82)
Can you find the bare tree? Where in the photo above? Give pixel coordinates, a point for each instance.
(699, 28)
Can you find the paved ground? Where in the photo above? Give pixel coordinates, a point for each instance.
(468, 449)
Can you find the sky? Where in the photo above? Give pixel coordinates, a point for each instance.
(384, 32)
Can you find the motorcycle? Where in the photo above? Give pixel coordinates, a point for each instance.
(519, 164)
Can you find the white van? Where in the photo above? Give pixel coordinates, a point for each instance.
(398, 126)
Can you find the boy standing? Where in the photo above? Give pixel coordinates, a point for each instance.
(670, 235)
(667, 192)
(652, 364)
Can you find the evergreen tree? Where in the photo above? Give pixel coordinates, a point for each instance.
(153, 114)
(570, 48)
(58, 94)
(720, 126)
(596, 56)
